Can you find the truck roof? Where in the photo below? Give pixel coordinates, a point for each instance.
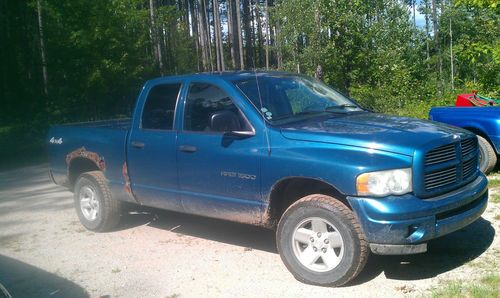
(227, 75)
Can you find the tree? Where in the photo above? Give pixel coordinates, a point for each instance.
(42, 47)
(154, 36)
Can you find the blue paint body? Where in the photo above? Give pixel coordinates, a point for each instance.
(334, 149)
(484, 121)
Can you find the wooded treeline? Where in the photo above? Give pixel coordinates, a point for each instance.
(82, 60)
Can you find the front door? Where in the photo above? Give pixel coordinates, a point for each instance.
(219, 173)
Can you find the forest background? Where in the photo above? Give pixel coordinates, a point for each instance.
(80, 60)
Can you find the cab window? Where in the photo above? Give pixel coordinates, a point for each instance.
(209, 109)
(159, 109)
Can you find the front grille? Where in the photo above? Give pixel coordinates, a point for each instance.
(441, 154)
(468, 146)
(469, 168)
(450, 166)
(440, 178)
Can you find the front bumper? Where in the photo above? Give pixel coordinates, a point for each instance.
(402, 224)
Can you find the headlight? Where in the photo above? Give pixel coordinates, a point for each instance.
(384, 183)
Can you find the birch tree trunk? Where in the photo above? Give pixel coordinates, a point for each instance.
(194, 30)
(209, 36)
(155, 39)
(267, 33)
(451, 59)
(218, 37)
(437, 45)
(427, 30)
(279, 53)
(240, 38)
(42, 48)
(259, 33)
(230, 32)
(414, 16)
(247, 31)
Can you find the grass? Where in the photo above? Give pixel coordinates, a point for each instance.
(493, 183)
(486, 287)
(495, 198)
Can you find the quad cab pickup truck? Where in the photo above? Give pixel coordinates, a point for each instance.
(483, 121)
(282, 151)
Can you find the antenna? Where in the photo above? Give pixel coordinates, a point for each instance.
(266, 132)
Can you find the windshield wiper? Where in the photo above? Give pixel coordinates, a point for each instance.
(343, 107)
(299, 114)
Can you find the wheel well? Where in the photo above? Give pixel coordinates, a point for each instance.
(79, 166)
(288, 191)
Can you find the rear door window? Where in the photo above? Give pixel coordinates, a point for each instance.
(159, 109)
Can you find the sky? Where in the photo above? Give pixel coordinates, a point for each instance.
(420, 19)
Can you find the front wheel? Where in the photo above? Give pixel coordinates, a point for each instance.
(487, 156)
(320, 241)
(95, 207)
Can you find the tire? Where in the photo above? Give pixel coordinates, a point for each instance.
(334, 257)
(487, 156)
(95, 207)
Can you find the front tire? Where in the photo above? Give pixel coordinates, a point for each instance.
(487, 156)
(320, 241)
(95, 207)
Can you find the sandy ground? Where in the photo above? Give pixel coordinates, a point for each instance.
(45, 252)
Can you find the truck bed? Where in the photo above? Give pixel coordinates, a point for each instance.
(120, 124)
(70, 142)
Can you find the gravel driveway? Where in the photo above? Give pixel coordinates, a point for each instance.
(45, 252)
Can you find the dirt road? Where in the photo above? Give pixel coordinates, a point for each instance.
(44, 251)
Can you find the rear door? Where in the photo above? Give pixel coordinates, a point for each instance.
(152, 165)
(219, 174)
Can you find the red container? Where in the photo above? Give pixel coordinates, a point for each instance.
(463, 100)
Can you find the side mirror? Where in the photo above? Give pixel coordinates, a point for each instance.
(224, 120)
(229, 123)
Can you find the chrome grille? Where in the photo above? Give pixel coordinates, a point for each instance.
(441, 154)
(450, 166)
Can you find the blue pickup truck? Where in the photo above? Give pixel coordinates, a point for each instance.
(483, 121)
(282, 151)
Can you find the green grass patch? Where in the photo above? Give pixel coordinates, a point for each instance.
(495, 198)
(486, 287)
(493, 183)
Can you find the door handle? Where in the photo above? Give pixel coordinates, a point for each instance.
(138, 145)
(187, 148)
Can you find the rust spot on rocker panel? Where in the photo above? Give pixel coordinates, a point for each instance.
(92, 156)
(126, 178)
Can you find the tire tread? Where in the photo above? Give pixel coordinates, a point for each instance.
(320, 200)
(111, 208)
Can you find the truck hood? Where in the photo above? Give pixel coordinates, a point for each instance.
(372, 131)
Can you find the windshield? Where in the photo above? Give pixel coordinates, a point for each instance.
(290, 98)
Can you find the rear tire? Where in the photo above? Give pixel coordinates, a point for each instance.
(95, 207)
(487, 156)
(320, 241)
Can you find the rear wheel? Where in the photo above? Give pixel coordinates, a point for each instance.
(95, 207)
(320, 241)
(487, 156)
